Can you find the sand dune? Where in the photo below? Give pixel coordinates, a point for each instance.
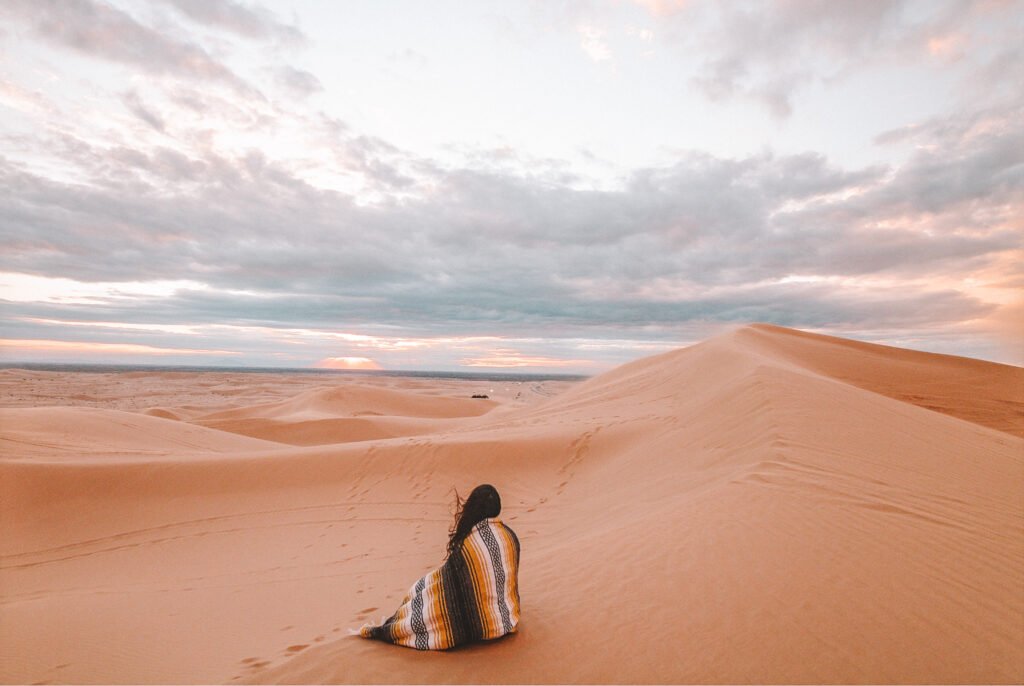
(943, 383)
(359, 400)
(328, 430)
(353, 412)
(77, 433)
(162, 413)
(768, 506)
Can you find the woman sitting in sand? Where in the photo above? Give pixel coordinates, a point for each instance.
(474, 595)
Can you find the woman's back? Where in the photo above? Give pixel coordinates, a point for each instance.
(473, 596)
(490, 556)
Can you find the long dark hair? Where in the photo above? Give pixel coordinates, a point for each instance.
(482, 503)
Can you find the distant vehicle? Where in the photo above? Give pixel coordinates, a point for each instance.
(481, 395)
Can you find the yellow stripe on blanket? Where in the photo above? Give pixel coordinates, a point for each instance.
(474, 595)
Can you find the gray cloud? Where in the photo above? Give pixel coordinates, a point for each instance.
(137, 107)
(298, 82)
(461, 313)
(244, 20)
(372, 157)
(100, 30)
(768, 52)
(488, 251)
(763, 51)
(971, 160)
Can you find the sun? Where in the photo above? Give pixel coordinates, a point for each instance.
(347, 363)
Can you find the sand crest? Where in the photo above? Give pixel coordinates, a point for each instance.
(767, 506)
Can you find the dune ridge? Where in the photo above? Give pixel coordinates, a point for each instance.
(77, 432)
(354, 412)
(765, 506)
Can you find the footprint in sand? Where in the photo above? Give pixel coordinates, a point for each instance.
(297, 648)
(363, 614)
(255, 663)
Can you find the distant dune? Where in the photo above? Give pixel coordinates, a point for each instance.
(766, 506)
(352, 412)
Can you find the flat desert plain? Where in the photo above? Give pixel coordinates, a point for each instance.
(766, 506)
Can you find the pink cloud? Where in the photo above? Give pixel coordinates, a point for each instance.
(40, 345)
(950, 46)
(662, 8)
(511, 358)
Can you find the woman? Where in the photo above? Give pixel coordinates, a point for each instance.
(474, 595)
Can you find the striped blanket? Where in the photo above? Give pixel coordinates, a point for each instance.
(473, 596)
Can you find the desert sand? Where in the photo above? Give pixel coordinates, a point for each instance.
(766, 506)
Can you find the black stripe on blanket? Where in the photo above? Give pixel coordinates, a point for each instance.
(456, 581)
(499, 572)
(418, 625)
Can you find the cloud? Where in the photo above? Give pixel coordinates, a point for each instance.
(137, 107)
(970, 161)
(26, 288)
(247, 21)
(13, 347)
(769, 52)
(662, 8)
(644, 35)
(372, 157)
(593, 43)
(949, 47)
(298, 82)
(508, 358)
(100, 30)
(793, 239)
(27, 100)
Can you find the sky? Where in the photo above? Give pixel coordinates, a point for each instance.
(514, 186)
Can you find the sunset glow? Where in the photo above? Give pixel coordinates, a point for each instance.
(14, 347)
(512, 359)
(348, 363)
